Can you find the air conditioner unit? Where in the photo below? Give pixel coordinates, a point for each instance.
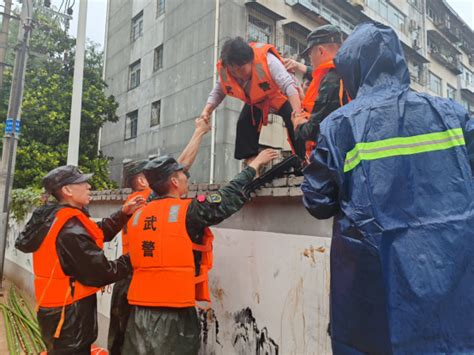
(358, 3)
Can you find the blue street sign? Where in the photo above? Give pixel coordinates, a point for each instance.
(9, 126)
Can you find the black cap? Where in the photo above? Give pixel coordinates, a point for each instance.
(322, 35)
(160, 169)
(135, 168)
(62, 176)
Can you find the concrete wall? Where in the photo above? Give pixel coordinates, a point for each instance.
(269, 285)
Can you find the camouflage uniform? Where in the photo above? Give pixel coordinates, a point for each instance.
(160, 330)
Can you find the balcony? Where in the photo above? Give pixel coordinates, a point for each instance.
(443, 52)
(319, 12)
(452, 63)
(467, 89)
(450, 31)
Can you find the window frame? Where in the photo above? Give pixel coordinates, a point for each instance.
(131, 118)
(137, 21)
(131, 72)
(299, 39)
(159, 60)
(158, 102)
(430, 75)
(448, 87)
(160, 7)
(264, 19)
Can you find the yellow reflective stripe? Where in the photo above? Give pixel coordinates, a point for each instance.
(403, 146)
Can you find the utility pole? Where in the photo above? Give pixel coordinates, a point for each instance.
(12, 124)
(76, 105)
(4, 37)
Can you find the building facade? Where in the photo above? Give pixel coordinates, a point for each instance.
(160, 63)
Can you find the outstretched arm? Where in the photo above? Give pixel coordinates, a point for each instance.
(189, 153)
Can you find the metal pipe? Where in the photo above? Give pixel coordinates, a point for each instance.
(214, 79)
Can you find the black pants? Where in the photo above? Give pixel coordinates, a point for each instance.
(162, 331)
(246, 142)
(119, 313)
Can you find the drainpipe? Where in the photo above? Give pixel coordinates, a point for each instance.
(214, 79)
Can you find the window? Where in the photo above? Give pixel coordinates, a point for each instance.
(431, 13)
(388, 12)
(294, 45)
(134, 75)
(435, 84)
(416, 71)
(137, 27)
(160, 7)
(155, 113)
(465, 104)
(468, 77)
(451, 92)
(158, 58)
(260, 30)
(396, 18)
(131, 121)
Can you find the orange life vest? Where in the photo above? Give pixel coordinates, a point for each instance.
(264, 92)
(161, 252)
(312, 95)
(145, 194)
(52, 286)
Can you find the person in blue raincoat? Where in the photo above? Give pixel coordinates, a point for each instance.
(393, 168)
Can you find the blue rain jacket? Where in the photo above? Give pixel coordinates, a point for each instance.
(393, 168)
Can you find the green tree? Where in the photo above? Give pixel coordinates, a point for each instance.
(47, 103)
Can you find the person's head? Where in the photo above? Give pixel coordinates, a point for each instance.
(237, 57)
(68, 185)
(167, 177)
(134, 176)
(323, 44)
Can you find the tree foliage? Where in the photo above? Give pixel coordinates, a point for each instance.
(47, 103)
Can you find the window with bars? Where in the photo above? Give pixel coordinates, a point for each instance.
(158, 58)
(131, 124)
(294, 45)
(155, 113)
(435, 84)
(134, 75)
(137, 27)
(160, 7)
(260, 29)
(451, 92)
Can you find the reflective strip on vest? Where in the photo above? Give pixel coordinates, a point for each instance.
(403, 146)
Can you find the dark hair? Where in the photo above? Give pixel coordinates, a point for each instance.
(161, 188)
(132, 181)
(236, 51)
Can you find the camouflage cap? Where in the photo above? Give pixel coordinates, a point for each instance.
(62, 176)
(135, 168)
(322, 35)
(160, 169)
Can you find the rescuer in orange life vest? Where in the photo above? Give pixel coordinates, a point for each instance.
(69, 264)
(137, 181)
(255, 74)
(119, 307)
(171, 255)
(326, 92)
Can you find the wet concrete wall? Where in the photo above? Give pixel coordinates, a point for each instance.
(269, 285)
